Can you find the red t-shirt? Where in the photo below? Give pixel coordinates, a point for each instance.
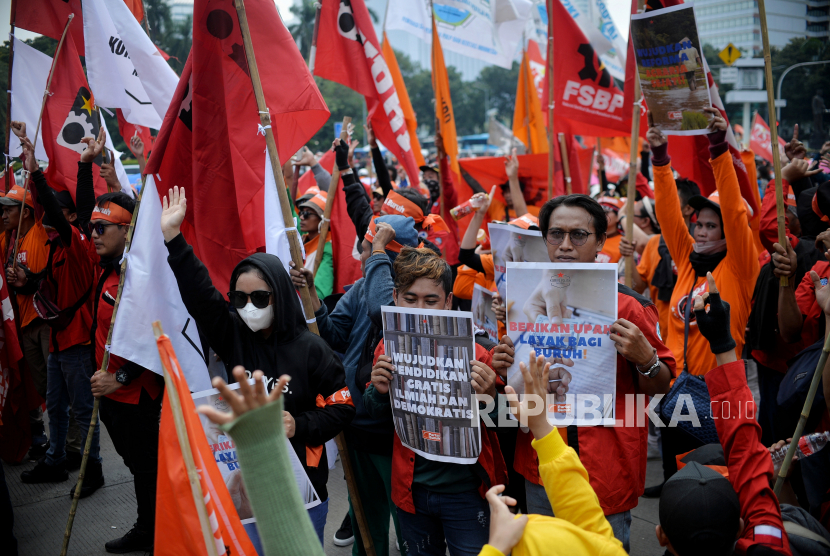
(74, 274)
(615, 457)
(106, 303)
(805, 297)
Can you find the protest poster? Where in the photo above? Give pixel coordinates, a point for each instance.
(484, 318)
(670, 67)
(564, 312)
(433, 402)
(513, 244)
(224, 451)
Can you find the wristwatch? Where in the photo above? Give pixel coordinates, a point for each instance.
(652, 369)
(122, 377)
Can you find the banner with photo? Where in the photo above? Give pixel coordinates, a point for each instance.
(513, 244)
(224, 451)
(670, 67)
(564, 312)
(484, 318)
(433, 402)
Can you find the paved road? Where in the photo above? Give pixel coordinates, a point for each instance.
(40, 511)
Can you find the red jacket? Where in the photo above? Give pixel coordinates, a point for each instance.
(403, 459)
(615, 457)
(748, 461)
(769, 217)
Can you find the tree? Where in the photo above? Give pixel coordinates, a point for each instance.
(801, 84)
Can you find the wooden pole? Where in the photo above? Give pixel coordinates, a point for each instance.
(296, 254)
(773, 133)
(566, 165)
(632, 172)
(805, 412)
(549, 75)
(8, 160)
(105, 361)
(312, 55)
(526, 85)
(187, 455)
(333, 186)
(34, 141)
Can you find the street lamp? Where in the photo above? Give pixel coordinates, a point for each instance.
(781, 80)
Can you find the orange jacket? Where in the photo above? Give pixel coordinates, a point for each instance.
(735, 275)
(648, 265)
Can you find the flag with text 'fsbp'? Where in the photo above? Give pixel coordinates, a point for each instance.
(178, 530)
(586, 100)
(124, 67)
(348, 52)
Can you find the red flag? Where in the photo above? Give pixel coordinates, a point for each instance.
(69, 116)
(209, 141)
(17, 391)
(586, 100)
(346, 260)
(760, 139)
(349, 53)
(128, 130)
(178, 529)
(48, 17)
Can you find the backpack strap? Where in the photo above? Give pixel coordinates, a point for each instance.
(794, 529)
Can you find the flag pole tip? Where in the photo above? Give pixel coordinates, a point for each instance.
(157, 330)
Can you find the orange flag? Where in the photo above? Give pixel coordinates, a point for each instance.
(443, 102)
(178, 526)
(403, 98)
(528, 120)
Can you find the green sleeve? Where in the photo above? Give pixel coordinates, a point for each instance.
(324, 280)
(377, 405)
(282, 521)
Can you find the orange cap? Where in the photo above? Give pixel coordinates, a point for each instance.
(612, 202)
(525, 221)
(317, 203)
(112, 213)
(14, 197)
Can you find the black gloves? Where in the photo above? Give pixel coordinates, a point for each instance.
(341, 155)
(713, 322)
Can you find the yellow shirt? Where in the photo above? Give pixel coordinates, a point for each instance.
(580, 526)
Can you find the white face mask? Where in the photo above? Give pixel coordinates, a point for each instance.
(256, 319)
(710, 247)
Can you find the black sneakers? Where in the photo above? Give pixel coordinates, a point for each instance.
(37, 451)
(135, 540)
(44, 473)
(73, 460)
(344, 535)
(93, 480)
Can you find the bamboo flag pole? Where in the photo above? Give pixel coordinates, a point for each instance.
(805, 412)
(187, 455)
(632, 172)
(566, 164)
(549, 75)
(773, 132)
(7, 159)
(312, 55)
(37, 129)
(104, 364)
(333, 186)
(296, 254)
(526, 85)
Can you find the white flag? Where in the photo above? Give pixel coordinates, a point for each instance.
(487, 30)
(124, 68)
(30, 72)
(119, 168)
(151, 292)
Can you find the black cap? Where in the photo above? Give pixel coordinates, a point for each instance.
(429, 169)
(699, 202)
(65, 200)
(700, 512)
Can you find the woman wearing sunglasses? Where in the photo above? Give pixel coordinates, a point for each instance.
(264, 329)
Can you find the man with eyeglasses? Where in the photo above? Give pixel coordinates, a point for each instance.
(573, 228)
(130, 395)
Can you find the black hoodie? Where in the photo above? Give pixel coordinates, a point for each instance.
(317, 396)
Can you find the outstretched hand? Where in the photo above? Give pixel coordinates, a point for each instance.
(532, 409)
(248, 398)
(94, 146)
(506, 529)
(795, 149)
(712, 317)
(654, 136)
(718, 122)
(172, 214)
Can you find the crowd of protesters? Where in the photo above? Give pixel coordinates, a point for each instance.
(706, 300)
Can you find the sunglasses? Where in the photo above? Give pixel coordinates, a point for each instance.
(306, 214)
(259, 298)
(101, 228)
(578, 237)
